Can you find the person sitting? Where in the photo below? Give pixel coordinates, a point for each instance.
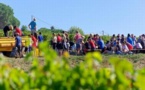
(130, 47)
(6, 29)
(138, 45)
(118, 48)
(101, 44)
(86, 46)
(17, 30)
(129, 39)
(92, 44)
(124, 48)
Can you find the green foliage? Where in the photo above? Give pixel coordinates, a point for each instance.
(24, 28)
(26, 33)
(1, 33)
(73, 30)
(7, 16)
(47, 34)
(57, 74)
(14, 21)
(71, 37)
(105, 38)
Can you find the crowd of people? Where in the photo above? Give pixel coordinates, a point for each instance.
(118, 44)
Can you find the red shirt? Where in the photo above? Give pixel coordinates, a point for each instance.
(95, 39)
(34, 44)
(18, 31)
(130, 47)
(59, 38)
(78, 36)
(91, 42)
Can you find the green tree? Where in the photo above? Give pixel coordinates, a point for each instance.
(7, 16)
(73, 30)
(24, 28)
(47, 34)
(15, 21)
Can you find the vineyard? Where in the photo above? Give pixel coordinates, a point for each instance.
(90, 72)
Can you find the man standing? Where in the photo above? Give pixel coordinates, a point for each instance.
(32, 26)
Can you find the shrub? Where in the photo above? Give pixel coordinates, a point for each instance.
(56, 74)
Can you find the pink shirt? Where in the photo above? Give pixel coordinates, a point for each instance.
(78, 36)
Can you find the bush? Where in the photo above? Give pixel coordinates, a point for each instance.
(56, 74)
(105, 38)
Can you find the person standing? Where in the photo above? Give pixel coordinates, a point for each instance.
(78, 40)
(6, 29)
(54, 41)
(32, 26)
(34, 41)
(17, 30)
(18, 45)
(59, 44)
(40, 37)
(64, 40)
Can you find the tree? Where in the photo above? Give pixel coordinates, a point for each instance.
(7, 16)
(24, 28)
(73, 30)
(15, 21)
(52, 28)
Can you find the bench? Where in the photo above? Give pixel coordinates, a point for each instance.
(138, 50)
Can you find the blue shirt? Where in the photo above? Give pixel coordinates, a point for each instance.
(129, 39)
(101, 43)
(32, 25)
(40, 38)
(18, 40)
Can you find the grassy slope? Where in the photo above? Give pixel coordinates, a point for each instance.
(138, 61)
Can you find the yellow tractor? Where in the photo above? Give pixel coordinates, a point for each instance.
(8, 43)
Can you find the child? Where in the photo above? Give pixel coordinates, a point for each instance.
(40, 37)
(18, 45)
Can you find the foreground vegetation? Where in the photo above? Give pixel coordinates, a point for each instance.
(88, 72)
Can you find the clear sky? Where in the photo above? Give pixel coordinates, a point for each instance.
(93, 16)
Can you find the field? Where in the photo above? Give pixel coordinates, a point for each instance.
(138, 61)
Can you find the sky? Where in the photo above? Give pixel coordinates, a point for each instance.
(92, 16)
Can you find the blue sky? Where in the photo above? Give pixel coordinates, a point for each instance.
(93, 16)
